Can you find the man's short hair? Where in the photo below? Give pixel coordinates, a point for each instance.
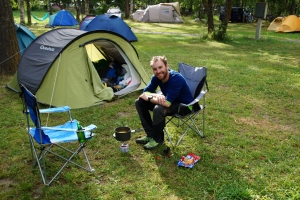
(156, 58)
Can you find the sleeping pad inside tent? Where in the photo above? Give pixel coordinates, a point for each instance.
(80, 69)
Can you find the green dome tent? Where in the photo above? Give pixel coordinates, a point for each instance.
(58, 67)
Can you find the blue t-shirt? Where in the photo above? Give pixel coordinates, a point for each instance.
(175, 89)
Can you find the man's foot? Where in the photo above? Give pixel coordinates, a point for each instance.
(143, 140)
(152, 144)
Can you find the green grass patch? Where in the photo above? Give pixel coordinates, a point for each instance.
(251, 149)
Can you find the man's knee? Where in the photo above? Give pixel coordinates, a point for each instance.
(160, 110)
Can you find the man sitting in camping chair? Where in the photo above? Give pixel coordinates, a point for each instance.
(175, 90)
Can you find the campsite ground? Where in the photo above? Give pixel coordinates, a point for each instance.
(251, 149)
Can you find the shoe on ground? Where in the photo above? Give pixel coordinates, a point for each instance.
(143, 140)
(152, 144)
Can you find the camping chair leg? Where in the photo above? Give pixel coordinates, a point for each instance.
(203, 121)
(169, 137)
(90, 169)
(185, 132)
(40, 161)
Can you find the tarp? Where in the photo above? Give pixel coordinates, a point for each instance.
(162, 13)
(290, 23)
(25, 36)
(109, 23)
(275, 23)
(57, 67)
(62, 18)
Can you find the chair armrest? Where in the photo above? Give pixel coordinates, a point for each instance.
(88, 128)
(55, 110)
(197, 99)
(182, 107)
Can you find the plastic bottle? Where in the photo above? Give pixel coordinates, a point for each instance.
(80, 133)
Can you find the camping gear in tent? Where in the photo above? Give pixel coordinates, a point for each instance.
(25, 36)
(163, 12)
(275, 23)
(290, 24)
(57, 68)
(62, 18)
(110, 23)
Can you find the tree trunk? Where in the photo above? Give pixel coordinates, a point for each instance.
(87, 7)
(221, 34)
(77, 6)
(131, 9)
(49, 7)
(9, 48)
(293, 7)
(28, 12)
(210, 20)
(21, 9)
(126, 9)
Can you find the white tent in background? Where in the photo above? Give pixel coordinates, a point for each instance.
(137, 15)
(161, 13)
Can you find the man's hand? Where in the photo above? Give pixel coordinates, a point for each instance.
(157, 98)
(161, 99)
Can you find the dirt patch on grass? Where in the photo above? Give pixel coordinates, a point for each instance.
(264, 123)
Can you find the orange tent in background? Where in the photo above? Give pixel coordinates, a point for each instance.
(290, 24)
(275, 23)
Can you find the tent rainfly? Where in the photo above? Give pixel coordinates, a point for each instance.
(59, 67)
(62, 18)
(25, 37)
(290, 23)
(108, 23)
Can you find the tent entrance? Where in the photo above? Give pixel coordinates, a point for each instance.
(113, 66)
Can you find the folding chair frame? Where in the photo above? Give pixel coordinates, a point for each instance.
(39, 150)
(189, 120)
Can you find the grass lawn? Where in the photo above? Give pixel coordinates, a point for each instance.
(252, 144)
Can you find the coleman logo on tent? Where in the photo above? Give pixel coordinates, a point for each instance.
(46, 48)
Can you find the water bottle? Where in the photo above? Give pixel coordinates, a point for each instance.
(80, 133)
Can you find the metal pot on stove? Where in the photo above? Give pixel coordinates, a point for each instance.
(122, 133)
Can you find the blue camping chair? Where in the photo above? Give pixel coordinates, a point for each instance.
(43, 139)
(196, 79)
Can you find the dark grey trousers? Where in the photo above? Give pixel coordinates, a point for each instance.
(154, 128)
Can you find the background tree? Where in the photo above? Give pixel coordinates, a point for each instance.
(28, 11)
(126, 9)
(220, 34)
(9, 48)
(210, 18)
(49, 7)
(21, 9)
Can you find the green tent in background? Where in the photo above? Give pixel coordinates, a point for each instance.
(58, 67)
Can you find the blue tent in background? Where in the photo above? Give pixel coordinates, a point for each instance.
(25, 37)
(109, 23)
(62, 18)
(85, 21)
